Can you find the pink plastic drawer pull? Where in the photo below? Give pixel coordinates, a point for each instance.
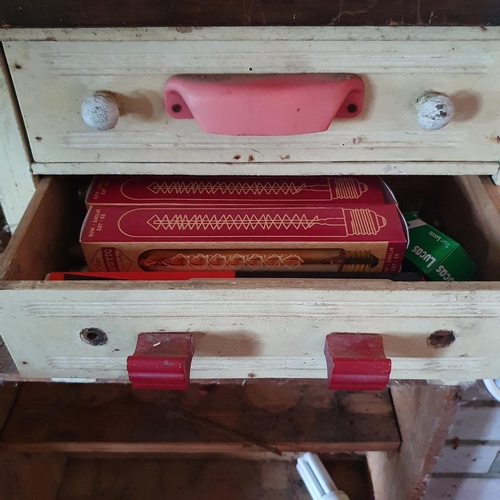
(264, 104)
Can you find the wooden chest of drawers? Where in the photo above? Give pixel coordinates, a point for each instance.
(244, 329)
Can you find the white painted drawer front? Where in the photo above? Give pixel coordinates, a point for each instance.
(52, 79)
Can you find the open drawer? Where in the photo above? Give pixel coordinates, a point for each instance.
(254, 328)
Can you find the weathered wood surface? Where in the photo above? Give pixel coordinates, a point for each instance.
(16, 183)
(259, 328)
(207, 479)
(8, 396)
(26, 476)
(386, 131)
(94, 13)
(424, 415)
(284, 168)
(41, 239)
(286, 415)
(246, 329)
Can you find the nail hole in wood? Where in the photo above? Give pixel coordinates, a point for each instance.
(441, 338)
(93, 336)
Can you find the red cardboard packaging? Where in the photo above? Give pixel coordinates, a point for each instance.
(335, 238)
(235, 191)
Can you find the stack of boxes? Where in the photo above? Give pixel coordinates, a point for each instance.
(337, 224)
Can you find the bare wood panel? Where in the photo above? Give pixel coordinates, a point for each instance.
(424, 415)
(386, 131)
(8, 396)
(31, 477)
(93, 13)
(286, 415)
(41, 237)
(481, 237)
(207, 479)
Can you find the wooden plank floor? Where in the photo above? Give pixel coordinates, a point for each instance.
(286, 416)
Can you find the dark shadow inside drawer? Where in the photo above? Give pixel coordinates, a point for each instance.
(464, 208)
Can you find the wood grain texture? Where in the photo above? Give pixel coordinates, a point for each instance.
(16, 183)
(271, 168)
(266, 328)
(290, 416)
(268, 33)
(8, 396)
(41, 236)
(207, 479)
(93, 13)
(243, 329)
(481, 236)
(31, 476)
(424, 415)
(387, 130)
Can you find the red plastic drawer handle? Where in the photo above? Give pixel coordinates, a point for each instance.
(264, 104)
(161, 361)
(356, 362)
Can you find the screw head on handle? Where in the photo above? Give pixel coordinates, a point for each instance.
(100, 111)
(434, 110)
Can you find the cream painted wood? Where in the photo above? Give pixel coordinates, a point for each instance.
(53, 78)
(269, 33)
(16, 181)
(282, 168)
(251, 329)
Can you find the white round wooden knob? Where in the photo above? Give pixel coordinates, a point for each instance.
(434, 111)
(100, 112)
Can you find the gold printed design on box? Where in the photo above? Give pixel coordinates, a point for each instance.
(236, 260)
(179, 187)
(342, 189)
(348, 188)
(362, 222)
(266, 221)
(319, 259)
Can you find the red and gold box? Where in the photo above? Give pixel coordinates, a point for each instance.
(334, 238)
(235, 191)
